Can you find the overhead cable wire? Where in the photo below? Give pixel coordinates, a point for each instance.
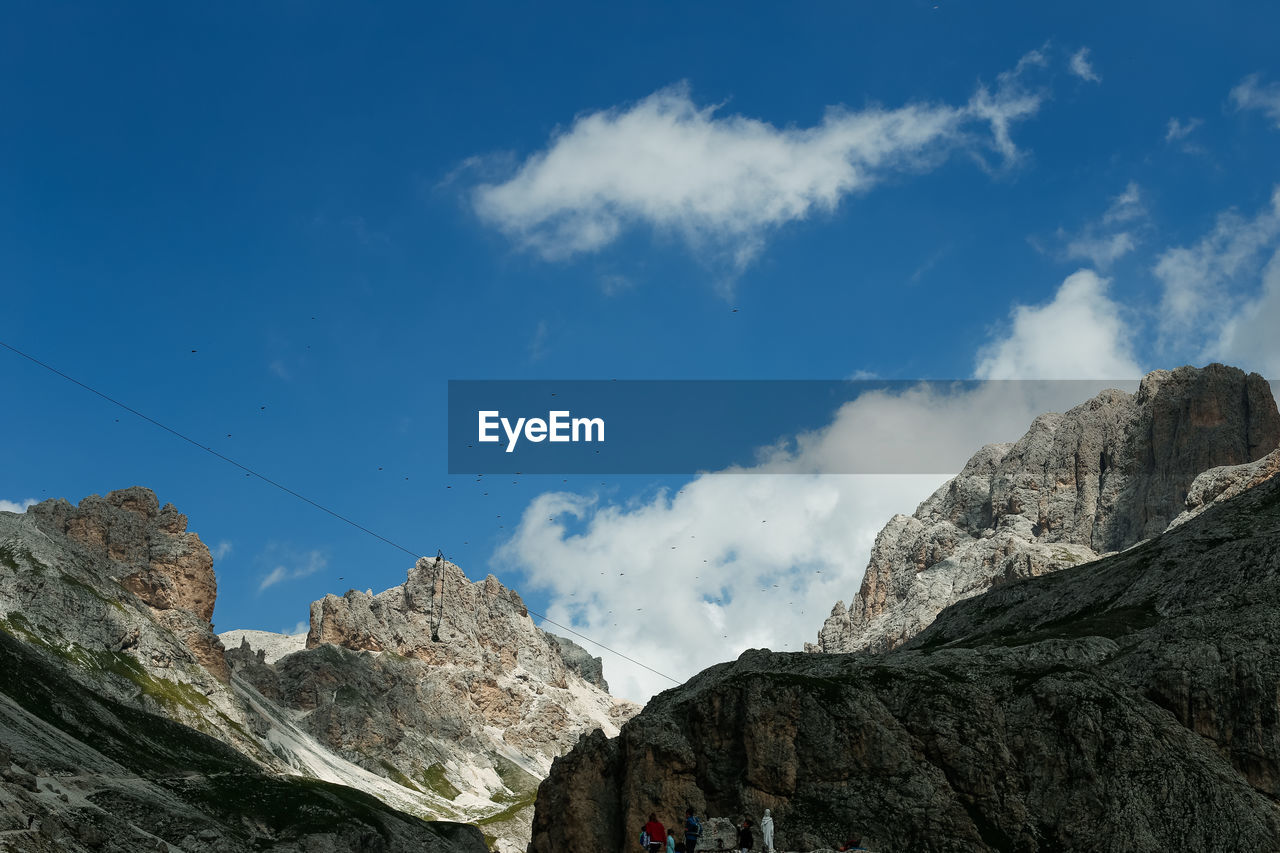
(264, 478)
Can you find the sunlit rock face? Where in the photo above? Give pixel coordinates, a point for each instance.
(1110, 473)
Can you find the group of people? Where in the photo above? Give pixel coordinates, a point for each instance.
(656, 838)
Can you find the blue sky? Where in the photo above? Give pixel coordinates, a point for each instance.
(282, 228)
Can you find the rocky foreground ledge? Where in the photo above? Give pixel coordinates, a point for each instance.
(1128, 704)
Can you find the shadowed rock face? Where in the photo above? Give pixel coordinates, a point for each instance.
(1104, 476)
(100, 776)
(1124, 705)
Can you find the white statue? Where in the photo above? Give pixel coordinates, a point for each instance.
(766, 829)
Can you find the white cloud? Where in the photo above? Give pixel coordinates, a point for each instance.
(1104, 242)
(293, 567)
(756, 557)
(1125, 207)
(538, 343)
(724, 182)
(1177, 130)
(733, 561)
(1197, 280)
(613, 284)
(16, 506)
(1102, 251)
(1079, 334)
(1251, 337)
(1081, 67)
(1250, 94)
(301, 627)
(222, 550)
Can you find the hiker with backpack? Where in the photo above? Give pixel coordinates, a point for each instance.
(692, 830)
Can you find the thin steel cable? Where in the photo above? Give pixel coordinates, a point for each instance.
(207, 449)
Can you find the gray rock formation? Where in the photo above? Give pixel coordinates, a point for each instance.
(68, 577)
(150, 553)
(459, 723)
(578, 659)
(1106, 475)
(80, 772)
(1128, 704)
(469, 711)
(1225, 482)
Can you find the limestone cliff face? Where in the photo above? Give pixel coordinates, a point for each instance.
(470, 709)
(120, 593)
(1100, 478)
(459, 720)
(1123, 705)
(150, 553)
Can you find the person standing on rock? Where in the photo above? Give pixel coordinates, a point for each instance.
(657, 834)
(692, 830)
(766, 831)
(745, 839)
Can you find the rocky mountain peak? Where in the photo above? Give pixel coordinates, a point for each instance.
(147, 549)
(443, 684)
(167, 566)
(439, 616)
(1109, 473)
(440, 696)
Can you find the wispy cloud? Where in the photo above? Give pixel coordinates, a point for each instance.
(1221, 294)
(1114, 235)
(1177, 130)
(222, 550)
(723, 182)
(538, 343)
(1196, 280)
(292, 567)
(16, 506)
(612, 284)
(1101, 251)
(1252, 94)
(1080, 66)
(684, 578)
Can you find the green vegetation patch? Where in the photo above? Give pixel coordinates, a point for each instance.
(83, 587)
(434, 780)
(17, 558)
(509, 812)
(170, 694)
(394, 774)
(204, 772)
(518, 780)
